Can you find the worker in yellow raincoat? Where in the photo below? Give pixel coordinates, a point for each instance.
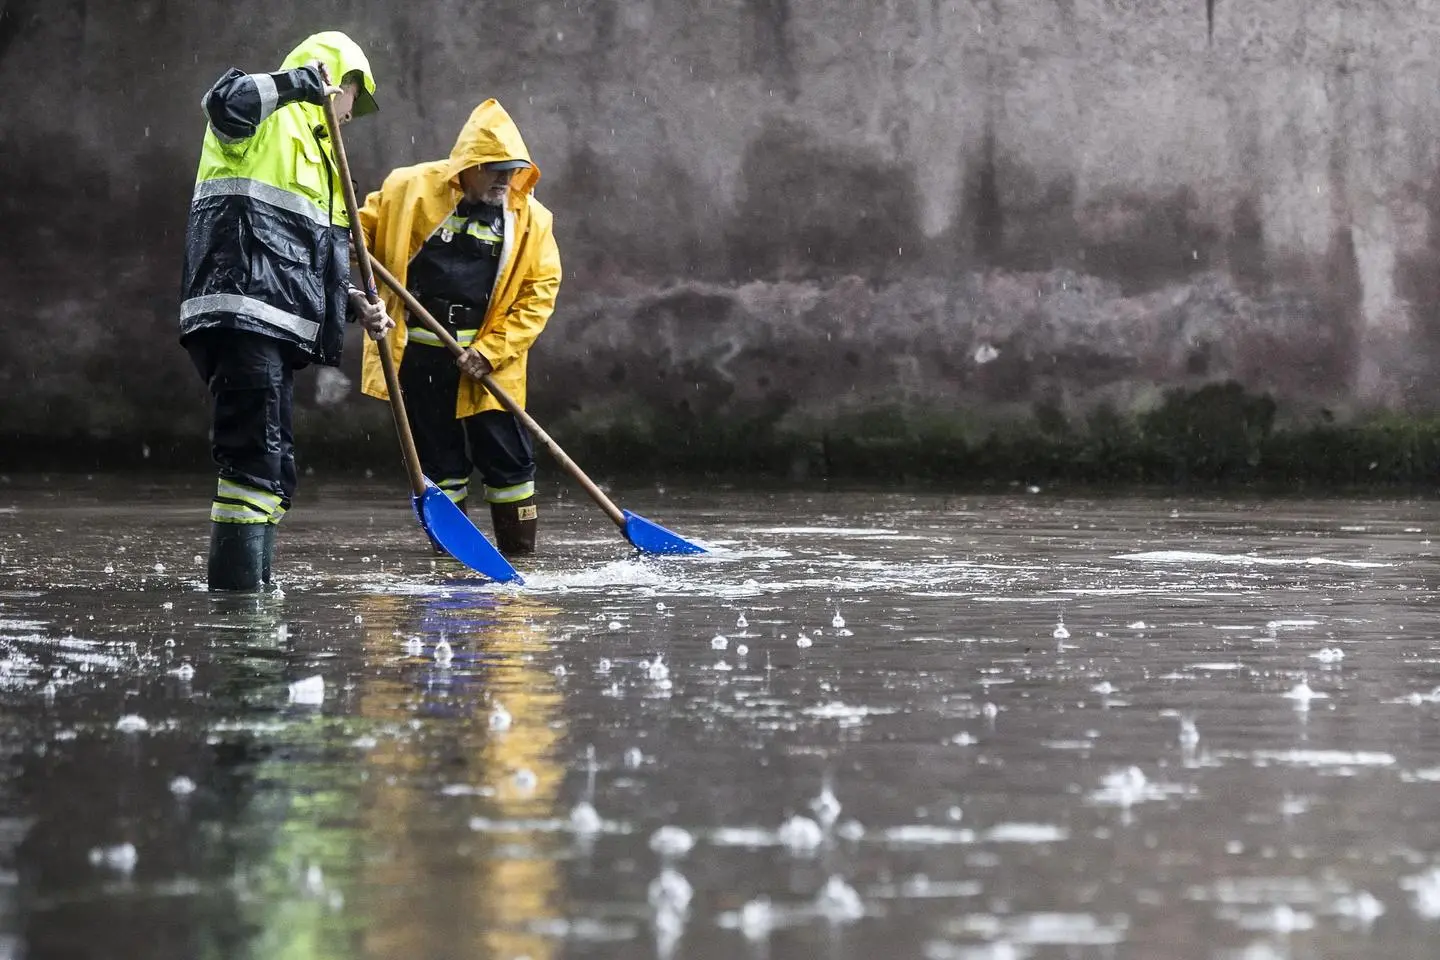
(468, 239)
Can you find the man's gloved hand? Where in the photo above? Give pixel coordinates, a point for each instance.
(306, 78)
(473, 363)
(372, 316)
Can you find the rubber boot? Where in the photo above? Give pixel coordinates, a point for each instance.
(515, 526)
(237, 556)
(267, 566)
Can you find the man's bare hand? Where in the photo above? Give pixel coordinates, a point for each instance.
(473, 363)
(371, 315)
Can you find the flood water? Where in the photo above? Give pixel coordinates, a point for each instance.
(866, 725)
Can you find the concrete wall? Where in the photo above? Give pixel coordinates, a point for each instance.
(789, 212)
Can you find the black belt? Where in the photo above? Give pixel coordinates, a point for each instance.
(456, 316)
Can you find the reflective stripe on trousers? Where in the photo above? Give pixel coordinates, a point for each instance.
(521, 491)
(456, 489)
(240, 503)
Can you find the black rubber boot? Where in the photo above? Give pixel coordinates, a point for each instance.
(267, 565)
(515, 526)
(237, 556)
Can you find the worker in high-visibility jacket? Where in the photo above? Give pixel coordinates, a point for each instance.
(467, 237)
(266, 281)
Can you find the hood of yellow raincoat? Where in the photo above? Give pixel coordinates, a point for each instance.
(490, 135)
(341, 56)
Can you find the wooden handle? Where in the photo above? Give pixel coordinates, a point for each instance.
(387, 362)
(508, 402)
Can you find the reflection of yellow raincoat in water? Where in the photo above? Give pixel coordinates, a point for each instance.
(414, 202)
(437, 901)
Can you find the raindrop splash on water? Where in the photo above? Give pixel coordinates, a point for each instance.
(826, 807)
(838, 902)
(584, 820)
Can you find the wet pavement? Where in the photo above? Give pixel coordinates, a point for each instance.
(867, 725)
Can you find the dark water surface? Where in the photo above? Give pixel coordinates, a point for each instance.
(1023, 726)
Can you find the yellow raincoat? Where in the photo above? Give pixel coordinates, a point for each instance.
(413, 203)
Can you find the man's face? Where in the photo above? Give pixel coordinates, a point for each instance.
(344, 101)
(485, 186)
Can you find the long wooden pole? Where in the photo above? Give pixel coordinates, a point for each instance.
(387, 362)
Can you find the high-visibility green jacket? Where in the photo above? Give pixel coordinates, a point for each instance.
(267, 248)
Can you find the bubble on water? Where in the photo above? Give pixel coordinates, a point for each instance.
(283, 631)
(1361, 906)
(359, 618)
(657, 670)
(837, 621)
(559, 671)
(825, 806)
(955, 814)
(1138, 625)
(722, 667)
(741, 650)
(800, 834)
(131, 723)
(1104, 687)
(1328, 655)
(444, 653)
(185, 672)
(660, 606)
(851, 830)
(802, 641)
(500, 718)
(741, 622)
(197, 559)
(525, 779)
(170, 643)
(603, 666)
(614, 624)
(109, 568)
(159, 567)
(182, 786)
(308, 692)
(719, 642)
(168, 605)
(1060, 633)
(838, 902)
(414, 647)
(633, 757)
(990, 711)
(584, 819)
(120, 858)
(672, 842)
(757, 918)
(963, 739)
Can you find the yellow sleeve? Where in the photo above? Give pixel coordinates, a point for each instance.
(527, 316)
